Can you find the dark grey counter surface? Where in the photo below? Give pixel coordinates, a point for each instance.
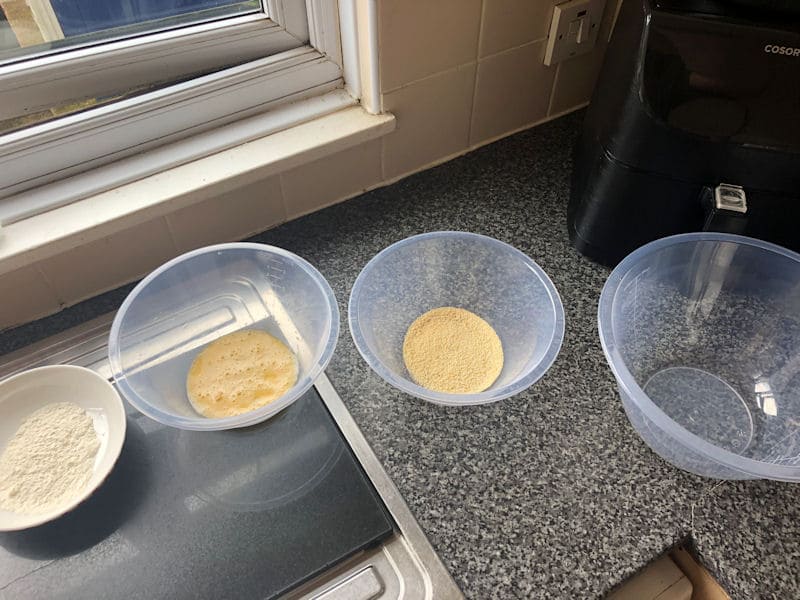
(550, 494)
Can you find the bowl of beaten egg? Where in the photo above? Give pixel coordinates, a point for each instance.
(223, 337)
(456, 318)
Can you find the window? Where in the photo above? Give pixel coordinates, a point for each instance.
(36, 27)
(87, 83)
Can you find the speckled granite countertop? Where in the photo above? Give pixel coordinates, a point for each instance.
(550, 494)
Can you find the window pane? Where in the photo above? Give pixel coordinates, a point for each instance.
(34, 27)
(63, 109)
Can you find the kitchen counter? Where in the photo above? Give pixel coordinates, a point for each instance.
(550, 493)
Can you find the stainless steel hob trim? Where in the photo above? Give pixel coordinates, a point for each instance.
(404, 566)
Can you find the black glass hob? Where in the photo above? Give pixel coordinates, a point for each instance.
(249, 513)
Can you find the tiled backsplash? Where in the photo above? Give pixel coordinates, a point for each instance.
(456, 74)
(470, 72)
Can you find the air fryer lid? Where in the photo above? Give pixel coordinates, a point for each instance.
(722, 7)
(778, 5)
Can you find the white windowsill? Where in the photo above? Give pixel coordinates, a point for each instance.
(42, 236)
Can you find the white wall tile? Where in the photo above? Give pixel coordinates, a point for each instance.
(24, 296)
(510, 23)
(110, 262)
(331, 179)
(417, 39)
(232, 216)
(433, 118)
(512, 90)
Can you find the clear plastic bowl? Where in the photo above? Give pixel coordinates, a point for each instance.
(451, 268)
(702, 332)
(172, 314)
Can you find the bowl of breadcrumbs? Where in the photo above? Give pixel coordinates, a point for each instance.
(456, 318)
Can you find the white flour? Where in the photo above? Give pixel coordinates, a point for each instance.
(49, 460)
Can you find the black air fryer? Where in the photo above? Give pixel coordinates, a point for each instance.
(694, 125)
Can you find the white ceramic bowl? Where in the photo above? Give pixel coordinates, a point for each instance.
(27, 392)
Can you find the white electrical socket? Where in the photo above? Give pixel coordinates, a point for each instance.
(573, 30)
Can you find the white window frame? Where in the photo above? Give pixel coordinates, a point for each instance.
(54, 163)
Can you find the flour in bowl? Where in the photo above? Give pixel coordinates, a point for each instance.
(49, 461)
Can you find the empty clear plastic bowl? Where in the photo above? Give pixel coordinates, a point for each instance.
(465, 270)
(702, 332)
(174, 312)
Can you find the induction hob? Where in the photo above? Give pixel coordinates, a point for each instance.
(296, 507)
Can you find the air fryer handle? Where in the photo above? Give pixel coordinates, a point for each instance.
(725, 209)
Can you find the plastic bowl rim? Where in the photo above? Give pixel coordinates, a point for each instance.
(245, 419)
(409, 387)
(633, 390)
